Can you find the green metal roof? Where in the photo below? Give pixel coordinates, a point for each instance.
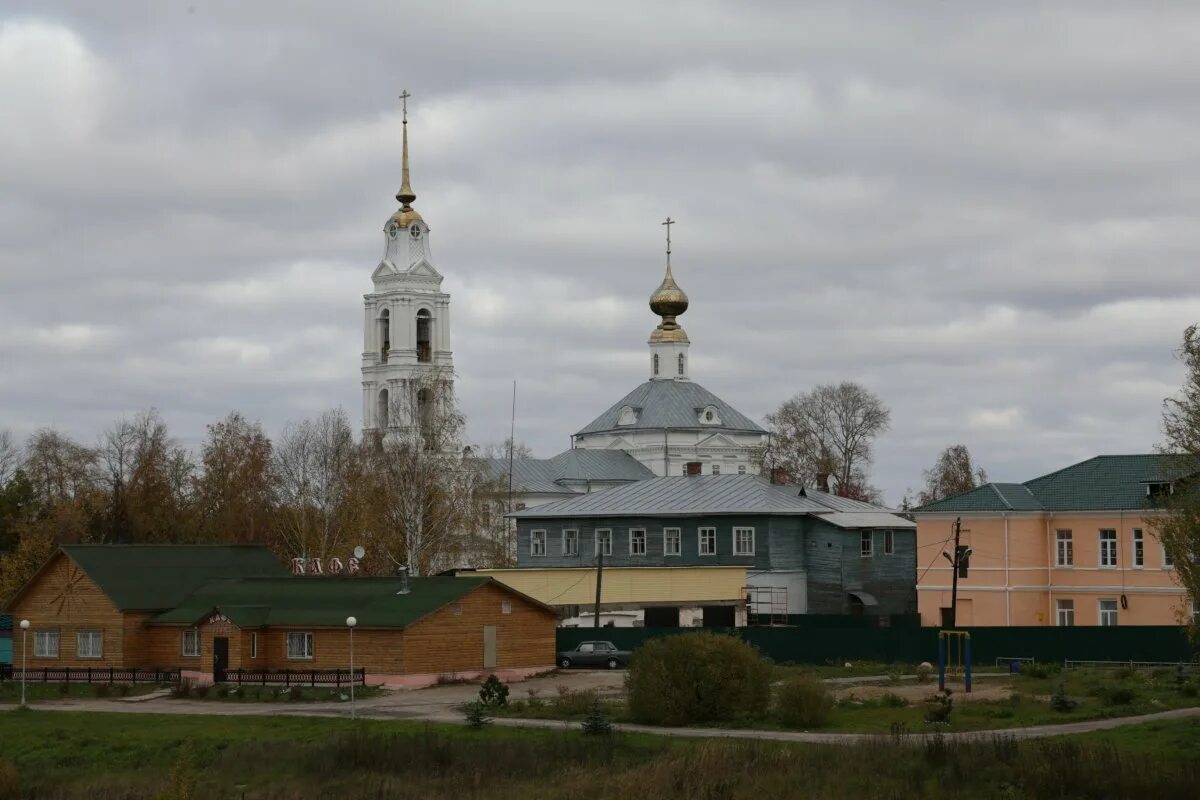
(152, 577)
(1103, 483)
(320, 601)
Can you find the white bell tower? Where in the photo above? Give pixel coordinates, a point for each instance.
(407, 364)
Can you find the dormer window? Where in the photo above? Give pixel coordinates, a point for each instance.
(627, 416)
(1160, 489)
(709, 416)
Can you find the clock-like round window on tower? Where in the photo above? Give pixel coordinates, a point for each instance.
(392, 230)
(415, 232)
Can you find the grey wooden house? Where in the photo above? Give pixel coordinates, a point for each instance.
(805, 551)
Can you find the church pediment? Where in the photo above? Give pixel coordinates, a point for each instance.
(717, 440)
(385, 269)
(423, 269)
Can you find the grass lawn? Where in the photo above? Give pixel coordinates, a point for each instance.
(72, 755)
(10, 691)
(223, 693)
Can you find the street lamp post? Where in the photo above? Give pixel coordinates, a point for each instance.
(24, 656)
(350, 623)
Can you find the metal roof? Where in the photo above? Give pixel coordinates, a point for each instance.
(554, 475)
(697, 495)
(671, 404)
(867, 519)
(1102, 483)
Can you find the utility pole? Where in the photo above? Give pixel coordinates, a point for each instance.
(960, 563)
(599, 578)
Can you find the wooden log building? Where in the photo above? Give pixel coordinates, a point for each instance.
(207, 609)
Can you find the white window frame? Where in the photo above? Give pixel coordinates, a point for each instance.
(716, 469)
(1064, 556)
(737, 550)
(41, 644)
(866, 544)
(1102, 612)
(642, 539)
(607, 541)
(537, 543)
(741, 469)
(1066, 613)
(306, 647)
(708, 535)
(506, 606)
(254, 645)
(570, 543)
(1167, 561)
(673, 535)
(889, 543)
(1138, 549)
(184, 650)
(89, 650)
(1106, 554)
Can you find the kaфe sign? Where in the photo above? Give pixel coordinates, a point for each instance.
(334, 566)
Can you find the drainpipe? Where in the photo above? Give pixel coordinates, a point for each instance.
(1050, 544)
(666, 453)
(1007, 581)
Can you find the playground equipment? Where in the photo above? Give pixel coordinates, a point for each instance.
(954, 654)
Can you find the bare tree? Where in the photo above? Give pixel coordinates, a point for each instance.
(1179, 528)
(148, 477)
(317, 476)
(10, 457)
(425, 489)
(60, 469)
(829, 431)
(954, 473)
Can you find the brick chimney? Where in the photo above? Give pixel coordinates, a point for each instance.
(823, 481)
(779, 476)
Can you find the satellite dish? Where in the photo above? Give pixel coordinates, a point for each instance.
(359, 552)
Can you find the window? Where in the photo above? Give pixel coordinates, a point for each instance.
(385, 336)
(716, 469)
(300, 645)
(603, 541)
(1108, 548)
(866, 544)
(889, 543)
(424, 337)
(191, 642)
(637, 542)
(1139, 549)
(89, 644)
(587, 647)
(655, 361)
(741, 469)
(1108, 613)
(671, 542)
(681, 363)
(1065, 553)
(505, 606)
(381, 412)
(743, 541)
(1168, 560)
(45, 644)
(254, 645)
(1065, 612)
(570, 542)
(708, 541)
(537, 543)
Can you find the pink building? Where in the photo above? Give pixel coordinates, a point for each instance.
(1075, 547)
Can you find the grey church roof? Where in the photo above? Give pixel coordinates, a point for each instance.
(707, 494)
(556, 475)
(671, 404)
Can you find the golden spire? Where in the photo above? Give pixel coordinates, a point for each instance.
(405, 195)
(668, 301)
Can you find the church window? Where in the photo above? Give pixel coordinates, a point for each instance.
(741, 469)
(385, 335)
(424, 336)
(681, 363)
(381, 414)
(655, 361)
(425, 416)
(716, 469)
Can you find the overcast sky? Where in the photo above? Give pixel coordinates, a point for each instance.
(983, 212)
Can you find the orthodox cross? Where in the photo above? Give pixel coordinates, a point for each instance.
(404, 95)
(668, 223)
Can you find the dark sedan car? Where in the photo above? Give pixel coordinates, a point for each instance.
(594, 654)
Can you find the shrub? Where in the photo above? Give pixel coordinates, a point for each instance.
(10, 780)
(1124, 673)
(596, 722)
(475, 714)
(1059, 701)
(1119, 696)
(803, 702)
(200, 691)
(222, 692)
(295, 693)
(924, 672)
(124, 689)
(894, 675)
(572, 702)
(493, 693)
(697, 677)
(101, 690)
(892, 700)
(180, 692)
(1188, 689)
(1035, 670)
(64, 689)
(941, 705)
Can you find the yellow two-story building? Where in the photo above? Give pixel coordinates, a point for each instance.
(1075, 547)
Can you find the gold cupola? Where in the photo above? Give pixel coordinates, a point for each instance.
(407, 214)
(668, 301)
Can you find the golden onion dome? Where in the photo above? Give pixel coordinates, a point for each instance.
(668, 300)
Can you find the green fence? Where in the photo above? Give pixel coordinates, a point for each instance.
(912, 645)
